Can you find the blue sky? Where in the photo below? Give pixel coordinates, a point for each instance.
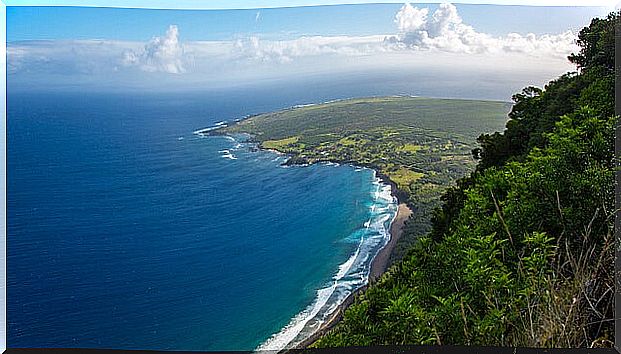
(91, 48)
(32, 23)
(253, 4)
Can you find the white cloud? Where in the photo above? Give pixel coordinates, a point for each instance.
(161, 54)
(559, 45)
(285, 51)
(410, 18)
(441, 31)
(15, 58)
(424, 41)
(417, 30)
(65, 57)
(87, 57)
(444, 30)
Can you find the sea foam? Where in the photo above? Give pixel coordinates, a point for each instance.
(351, 275)
(370, 238)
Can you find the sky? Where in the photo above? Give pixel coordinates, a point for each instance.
(95, 48)
(253, 4)
(28, 23)
(456, 47)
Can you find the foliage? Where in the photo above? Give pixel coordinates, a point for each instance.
(535, 110)
(597, 44)
(475, 285)
(520, 253)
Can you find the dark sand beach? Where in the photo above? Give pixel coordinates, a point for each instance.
(380, 262)
(378, 267)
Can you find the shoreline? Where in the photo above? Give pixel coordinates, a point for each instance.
(379, 264)
(380, 261)
(378, 267)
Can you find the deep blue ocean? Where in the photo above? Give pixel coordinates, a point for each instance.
(126, 230)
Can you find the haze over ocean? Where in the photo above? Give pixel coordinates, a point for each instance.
(126, 230)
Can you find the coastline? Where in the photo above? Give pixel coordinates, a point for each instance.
(378, 267)
(379, 262)
(293, 336)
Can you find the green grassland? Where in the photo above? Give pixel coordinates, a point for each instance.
(421, 144)
(404, 138)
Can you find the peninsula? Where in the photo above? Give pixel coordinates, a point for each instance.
(418, 145)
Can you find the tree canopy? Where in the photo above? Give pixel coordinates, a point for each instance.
(521, 252)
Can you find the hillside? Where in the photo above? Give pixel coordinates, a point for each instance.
(521, 253)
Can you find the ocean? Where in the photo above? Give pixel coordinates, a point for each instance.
(126, 230)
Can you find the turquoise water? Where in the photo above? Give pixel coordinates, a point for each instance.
(127, 230)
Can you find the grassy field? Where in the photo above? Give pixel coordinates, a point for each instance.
(421, 144)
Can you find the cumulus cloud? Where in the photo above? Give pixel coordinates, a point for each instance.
(418, 29)
(160, 54)
(411, 18)
(422, 38)
(444, 30)
(285, 51)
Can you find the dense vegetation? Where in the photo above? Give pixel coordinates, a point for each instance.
(423, 145)
(521, 251)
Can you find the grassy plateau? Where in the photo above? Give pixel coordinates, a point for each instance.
(422, 145)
